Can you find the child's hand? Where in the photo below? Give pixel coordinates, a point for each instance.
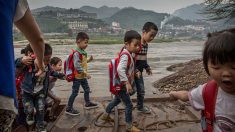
(27, 60)
(61, 75)
(90, 58)
(88, 76)
(137, 74)
(149, 71)
(128, 88)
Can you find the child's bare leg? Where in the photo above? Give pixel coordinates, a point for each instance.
(54, 107)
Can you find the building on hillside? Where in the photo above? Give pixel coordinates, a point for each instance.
(76, 15)
(77, 25)
(116, 28)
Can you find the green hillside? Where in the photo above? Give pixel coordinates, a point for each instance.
(50, 24)
(131, 18)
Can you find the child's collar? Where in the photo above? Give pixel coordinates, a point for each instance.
(81, 51)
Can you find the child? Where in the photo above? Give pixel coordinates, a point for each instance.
(34, 90)
(52, 99)
(149, 31)
(81, 75)
(20, 64)
(126, 75)
(219, 63)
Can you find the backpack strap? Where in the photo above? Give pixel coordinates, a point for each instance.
(209, 95)
(129, 58)
(80, 55)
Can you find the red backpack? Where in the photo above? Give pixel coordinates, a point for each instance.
(69, 66)
(114, 81)
(19, 79)
(209, 95)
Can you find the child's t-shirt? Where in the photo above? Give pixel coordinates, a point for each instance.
(224, 109)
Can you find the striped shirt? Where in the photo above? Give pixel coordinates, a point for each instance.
(141, 58)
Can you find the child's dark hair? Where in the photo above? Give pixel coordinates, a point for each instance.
(129, 35)
(82, 36)
(26, 50)
(55, 60)
(148, 26)
(219, 48)
(48, 49)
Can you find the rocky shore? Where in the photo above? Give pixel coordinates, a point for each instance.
(187, 76)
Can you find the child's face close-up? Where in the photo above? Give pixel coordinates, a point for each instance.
(149, 36)
(82, 44)
(57, 67)
(133, 46)
(224, 75)
(47, 59)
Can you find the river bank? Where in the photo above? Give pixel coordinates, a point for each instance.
(96, 40)
(187, 76)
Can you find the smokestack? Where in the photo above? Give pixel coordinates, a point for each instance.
(164, 21)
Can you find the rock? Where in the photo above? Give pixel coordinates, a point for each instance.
(190, 75)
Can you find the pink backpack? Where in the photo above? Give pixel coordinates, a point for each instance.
(69, 70)
(114, 81)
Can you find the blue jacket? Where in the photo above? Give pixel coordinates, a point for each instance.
(7, 77)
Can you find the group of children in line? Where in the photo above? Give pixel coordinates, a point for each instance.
(35, 92)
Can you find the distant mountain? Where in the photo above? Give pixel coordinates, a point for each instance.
(49, 20)
(193, 12)
(102, 12)
(48, 8)
(131, 18)
(177, 21)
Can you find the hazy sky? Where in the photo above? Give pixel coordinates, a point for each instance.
(167, 6)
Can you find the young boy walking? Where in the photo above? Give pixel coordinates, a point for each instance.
(149, 32)
(126, 75)
(80, 65)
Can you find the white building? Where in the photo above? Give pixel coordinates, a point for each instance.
(77, 25)
(116, 26)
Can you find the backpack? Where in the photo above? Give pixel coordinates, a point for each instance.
(114, 81)
(18, 80)
(209, 95)
(69, 66)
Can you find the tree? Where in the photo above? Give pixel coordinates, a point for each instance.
(220, 9)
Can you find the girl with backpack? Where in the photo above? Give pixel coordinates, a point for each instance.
(216, 98)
